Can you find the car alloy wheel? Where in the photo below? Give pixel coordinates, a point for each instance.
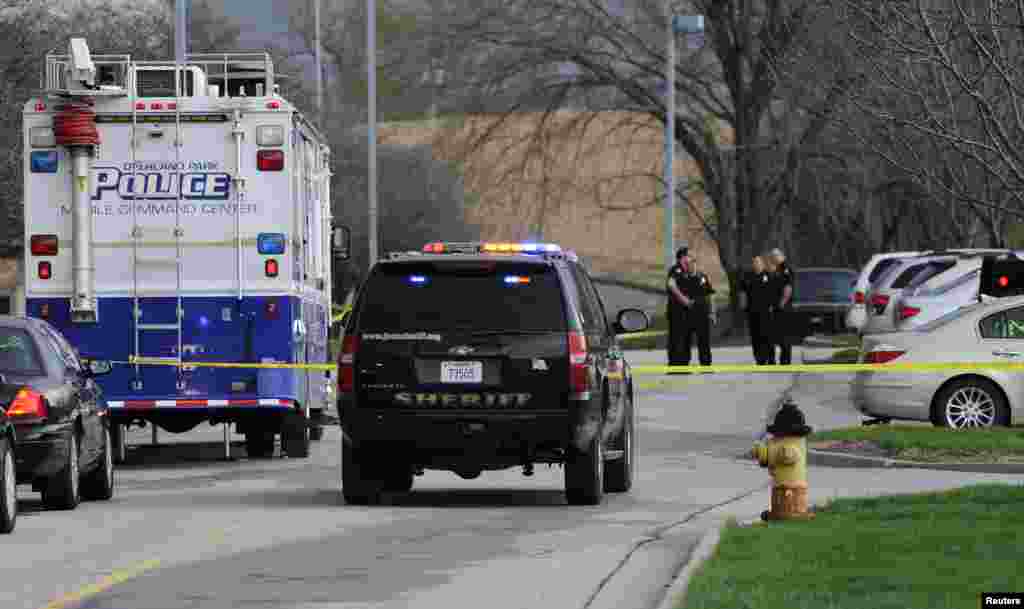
(970, 407)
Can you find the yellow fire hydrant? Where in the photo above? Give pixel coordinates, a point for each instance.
(785, 456)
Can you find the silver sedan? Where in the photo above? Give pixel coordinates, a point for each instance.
(991, 331)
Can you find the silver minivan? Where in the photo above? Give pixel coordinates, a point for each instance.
(884, 300)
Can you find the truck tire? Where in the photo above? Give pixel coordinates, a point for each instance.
(618, 474)
(98, 485)
(117, 438)
(584, 474)
(316, 433)
(358, 487)
(62, 490)
(259, 444)
(8, 487)
(295, 435)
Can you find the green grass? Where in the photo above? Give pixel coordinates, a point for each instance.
(926, 551)
(924, 443)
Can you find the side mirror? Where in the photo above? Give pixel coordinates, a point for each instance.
(98, 367)
(631, 320)
(341, 242)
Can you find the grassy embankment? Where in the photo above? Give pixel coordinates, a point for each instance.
(935, 551)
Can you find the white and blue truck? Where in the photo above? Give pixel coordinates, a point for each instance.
(179, 214)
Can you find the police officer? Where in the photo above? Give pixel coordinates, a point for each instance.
(782, 306)
(757, 294)
(689, 311)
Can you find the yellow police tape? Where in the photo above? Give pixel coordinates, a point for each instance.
(647, 369)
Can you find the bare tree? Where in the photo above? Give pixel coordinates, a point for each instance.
(550, 55)
(943, 102)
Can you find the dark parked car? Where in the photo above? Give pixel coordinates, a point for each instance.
(474, 357)
(60, 417)
(821, 299)
(8, 477)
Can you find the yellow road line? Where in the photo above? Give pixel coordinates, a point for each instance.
(117, 577)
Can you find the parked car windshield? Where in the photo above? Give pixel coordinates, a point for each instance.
(18, 353)
(824, 286)
(463, 295)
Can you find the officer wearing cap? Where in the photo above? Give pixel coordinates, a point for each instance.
(782, 306)
(689, 311)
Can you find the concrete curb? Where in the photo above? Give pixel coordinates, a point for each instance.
(835, 459)
(704, 550)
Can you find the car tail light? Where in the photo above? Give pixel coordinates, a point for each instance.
(270, 267)
(156, 106)
(43, 245)
(270, 160)
(879, 302)
(433, 248)
(270, 310)
(28, 405)
(346, 364)
(579, 371)
(858, 297)
(882, 356)
(140, 105)
(906, 312)
(44, 311)
(44, 270)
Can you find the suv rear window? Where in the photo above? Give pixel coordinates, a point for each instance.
(484, 295)
(906, 276)
(823, 286)
(883, 265)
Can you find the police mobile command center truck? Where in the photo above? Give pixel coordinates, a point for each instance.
(177, 213)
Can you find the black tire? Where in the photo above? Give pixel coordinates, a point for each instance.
(399, 479)
(98, 484)
(316, 433)
(117, 433)
(618, 474)
(8, 487)
(970, 403)
(259, 444)
(584, 474)
(295, 436)
(357, 484)
(62, 491)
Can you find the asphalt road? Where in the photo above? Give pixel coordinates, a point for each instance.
(186, 530)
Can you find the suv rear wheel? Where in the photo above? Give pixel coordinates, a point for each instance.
(584, 474)
(357, 484)
(618, 475)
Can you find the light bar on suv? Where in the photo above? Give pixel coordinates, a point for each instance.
(491, 247)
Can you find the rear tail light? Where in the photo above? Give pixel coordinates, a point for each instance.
(433, 248)
(28, 405)
(270, 160)
(879, 302)
(346, 364)
(43, 245)
(882, 356)
(858, 297)
(44, 270)
(579, 371)
(270, 310)
(906, 312)
(270, 267)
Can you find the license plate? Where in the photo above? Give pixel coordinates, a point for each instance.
(462, 372)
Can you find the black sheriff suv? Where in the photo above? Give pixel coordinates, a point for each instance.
(485, 356)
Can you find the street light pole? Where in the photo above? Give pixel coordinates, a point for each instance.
(670, 144)
(371, 77)
(693, 27)
(319, 66)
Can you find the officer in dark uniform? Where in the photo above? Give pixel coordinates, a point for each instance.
(689, 311)
(782, 306)
(757, 293)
